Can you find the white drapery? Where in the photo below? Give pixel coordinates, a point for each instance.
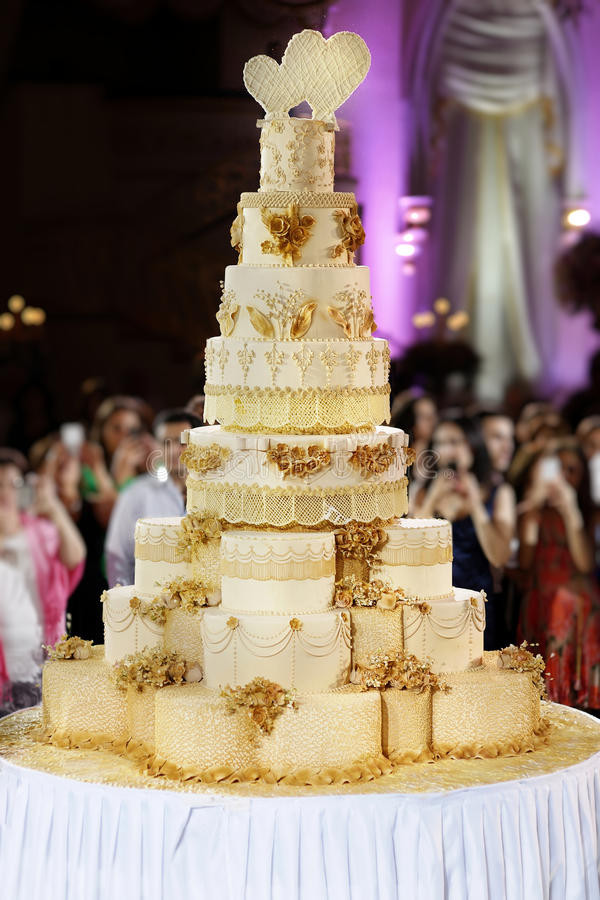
(67, 840)
(498, 73)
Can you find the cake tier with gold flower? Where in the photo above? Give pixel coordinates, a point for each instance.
(416, 556)
(296, 154)
(303, 303)
(448, 633)
(262, 479)
(287, 573)
(288, 228)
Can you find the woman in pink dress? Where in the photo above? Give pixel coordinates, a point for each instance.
(39, 540)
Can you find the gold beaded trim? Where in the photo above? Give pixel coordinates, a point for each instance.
(306, 199)
(302, 411)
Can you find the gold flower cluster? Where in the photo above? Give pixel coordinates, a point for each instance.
(352, 231)
(185, 594)
(410, 455)
(373, 460)
(195, 532)
(261, 699)
(299, 461)
(70, 648)
(289, 231)
(358, 540)
(151, 667)
(523, 660)
(155, 610)
(398, 670)
(203, 459)
(351, 591)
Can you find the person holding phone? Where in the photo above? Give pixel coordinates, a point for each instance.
(461, 489)
(39, 540)
(560, 609)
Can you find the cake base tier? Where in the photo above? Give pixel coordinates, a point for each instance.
(333, 736)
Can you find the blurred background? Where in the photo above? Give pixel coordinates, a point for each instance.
(473, 149)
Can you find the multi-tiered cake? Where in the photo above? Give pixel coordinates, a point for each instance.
(293, 625)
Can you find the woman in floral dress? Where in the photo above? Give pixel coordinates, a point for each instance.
(561, 604)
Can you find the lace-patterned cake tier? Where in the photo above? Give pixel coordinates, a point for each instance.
(307, 653)
(417, 557)
(252, 504)
(312, 302)
(323, 461)
(296, 155)
(308, 229)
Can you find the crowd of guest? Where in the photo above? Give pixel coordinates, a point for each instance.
(522, 494)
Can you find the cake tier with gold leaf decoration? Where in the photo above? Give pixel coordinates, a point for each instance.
(315, 302)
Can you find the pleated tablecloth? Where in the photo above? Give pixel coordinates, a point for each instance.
(64, 837)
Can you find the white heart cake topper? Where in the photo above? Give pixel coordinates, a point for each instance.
(322, 72)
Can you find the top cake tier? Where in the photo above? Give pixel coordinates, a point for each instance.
(296, 155)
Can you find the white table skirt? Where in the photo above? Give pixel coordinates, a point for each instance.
(62, 839)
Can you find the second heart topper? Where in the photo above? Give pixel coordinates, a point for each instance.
(322, 72)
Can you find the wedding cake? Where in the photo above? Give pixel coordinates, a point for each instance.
(293, 626)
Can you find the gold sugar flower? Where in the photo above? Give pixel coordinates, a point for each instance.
(232, 623)
(295, 624)
(520, 659)
(400, 670)
(151, 667)
(263, 701)
(290, 232)
(69, 648)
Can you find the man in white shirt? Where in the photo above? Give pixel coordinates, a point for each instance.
(159, 493)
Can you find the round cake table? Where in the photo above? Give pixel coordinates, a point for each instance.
(84, 825)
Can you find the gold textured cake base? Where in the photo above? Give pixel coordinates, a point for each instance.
(574, 737)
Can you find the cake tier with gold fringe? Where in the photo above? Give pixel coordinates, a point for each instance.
(447, 632)
(261, 732)
(169, 550)
(416, 557)
(303, 303)
(277, 572)
(323, 461)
